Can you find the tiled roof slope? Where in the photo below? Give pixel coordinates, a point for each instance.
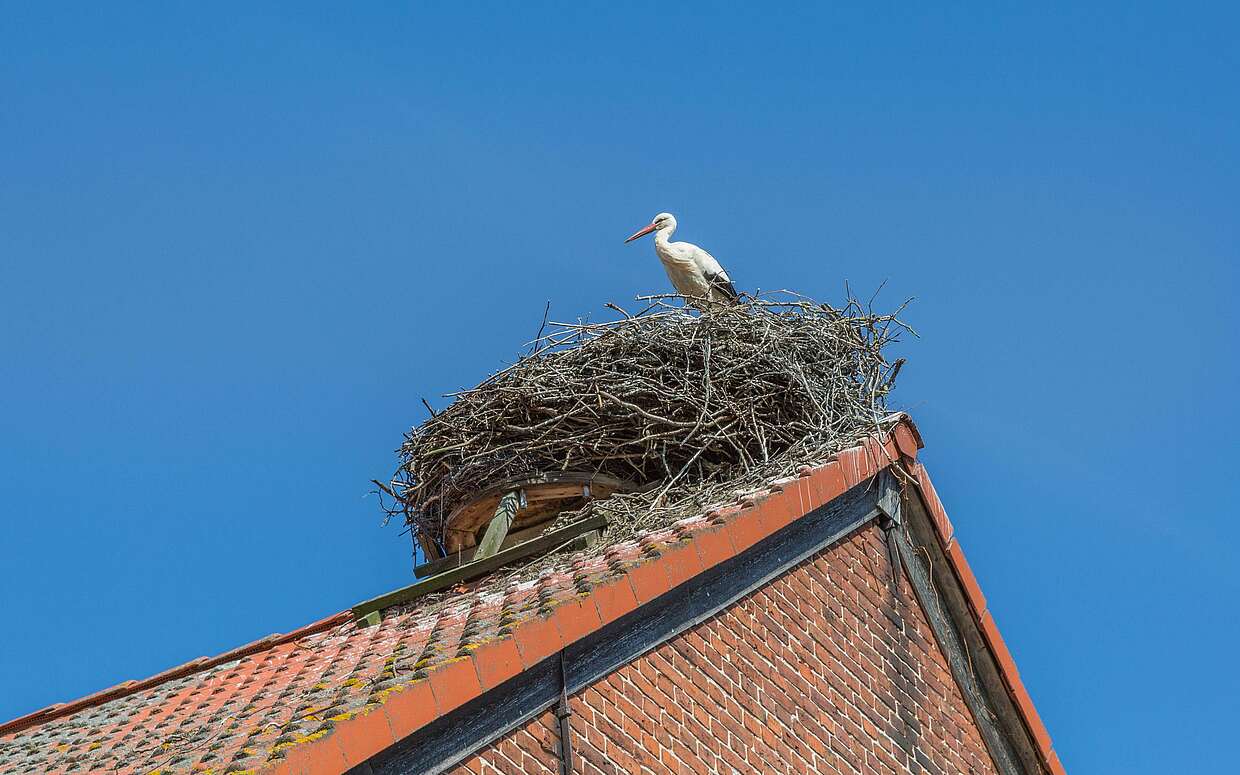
(331, 695)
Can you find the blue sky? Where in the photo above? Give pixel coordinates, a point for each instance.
(237, 245)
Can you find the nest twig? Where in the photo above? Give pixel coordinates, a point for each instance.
(683, 403)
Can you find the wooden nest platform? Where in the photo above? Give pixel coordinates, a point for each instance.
(540, 499)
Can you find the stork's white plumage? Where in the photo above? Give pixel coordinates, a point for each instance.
(693, 272)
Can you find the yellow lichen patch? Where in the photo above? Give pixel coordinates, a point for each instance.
(312, 712)
(342, 716)
(381, 696)
(310, 738)
(95, 745)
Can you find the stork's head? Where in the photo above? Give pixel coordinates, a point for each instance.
(661, 221)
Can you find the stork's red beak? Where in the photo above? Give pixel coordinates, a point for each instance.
(642, 233)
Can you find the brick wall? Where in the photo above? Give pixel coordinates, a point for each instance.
(822, 670)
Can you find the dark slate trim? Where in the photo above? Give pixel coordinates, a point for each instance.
(448, 740)
(950, 643)
(958, 637)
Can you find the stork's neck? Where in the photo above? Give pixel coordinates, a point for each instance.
(662, 236)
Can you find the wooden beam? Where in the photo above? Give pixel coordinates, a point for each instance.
(505, 512)
(541, 491)
(457, 559)
(541, 545)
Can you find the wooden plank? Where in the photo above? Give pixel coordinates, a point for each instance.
(457, 559)
(538, 488)
(497, 531)
(544, 543)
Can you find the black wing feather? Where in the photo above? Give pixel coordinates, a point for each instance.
(722, 284)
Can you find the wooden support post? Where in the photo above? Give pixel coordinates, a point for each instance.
(497, 531)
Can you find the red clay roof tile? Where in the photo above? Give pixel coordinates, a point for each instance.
(614, 599)
(537, 638)
(409, 707)
(327, 696)
(497, 661)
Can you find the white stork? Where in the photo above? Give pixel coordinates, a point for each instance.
(694, 272)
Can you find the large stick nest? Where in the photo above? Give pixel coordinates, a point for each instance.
(667, 398)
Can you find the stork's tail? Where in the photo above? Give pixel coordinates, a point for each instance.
(720, 284)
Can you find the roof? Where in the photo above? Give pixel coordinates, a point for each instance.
(337, 693)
